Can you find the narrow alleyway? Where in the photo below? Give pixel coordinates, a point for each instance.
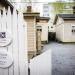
(41, 65)
(60, 56)
(63, 59)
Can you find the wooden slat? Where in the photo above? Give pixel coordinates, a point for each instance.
(15, 44)
(9, 29)
(3, 27)
(1, 71)
(22, 47)
(26, 47)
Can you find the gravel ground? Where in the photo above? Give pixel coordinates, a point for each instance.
(63, 58)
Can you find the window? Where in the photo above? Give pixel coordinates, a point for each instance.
(1, 11)
(73, 30)
(51, 26)
(39, 28)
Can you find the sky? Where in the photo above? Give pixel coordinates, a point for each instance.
(53, 0)
(40, 4)
(45, 0)
(40, 0)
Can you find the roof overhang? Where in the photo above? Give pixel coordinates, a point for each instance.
(31, 14)
(64, 17)
(43, 18)
(6, 3)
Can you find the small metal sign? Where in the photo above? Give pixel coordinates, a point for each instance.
(5, 38)
(6, 59)
(2, 35)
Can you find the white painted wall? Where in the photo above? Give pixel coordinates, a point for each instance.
(41, 65)
(64, 30)
(68, 36)
(67, 32)
(59, 30)
(44, 33)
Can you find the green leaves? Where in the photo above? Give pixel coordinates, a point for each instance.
(62, 7)
(58, 7)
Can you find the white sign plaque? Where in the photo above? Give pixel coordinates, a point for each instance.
(5, 38)
(6, 59)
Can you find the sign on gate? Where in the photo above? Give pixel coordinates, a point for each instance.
(5, 38)
(6, 59)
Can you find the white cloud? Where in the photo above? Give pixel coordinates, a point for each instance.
(16, 0)
(46, 0)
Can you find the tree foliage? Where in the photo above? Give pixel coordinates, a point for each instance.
(58, 7)
(27, 1)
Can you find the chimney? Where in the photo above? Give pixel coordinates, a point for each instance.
(29, 8)
(73, 9)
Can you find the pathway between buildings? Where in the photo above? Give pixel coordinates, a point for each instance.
(41, 65)
(60, 56)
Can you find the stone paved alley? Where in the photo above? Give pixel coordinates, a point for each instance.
(62, 57)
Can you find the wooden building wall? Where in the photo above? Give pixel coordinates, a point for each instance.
(44, 33)
(65, 30)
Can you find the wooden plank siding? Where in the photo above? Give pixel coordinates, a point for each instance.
(16, 26)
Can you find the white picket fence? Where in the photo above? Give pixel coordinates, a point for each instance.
(16, 26)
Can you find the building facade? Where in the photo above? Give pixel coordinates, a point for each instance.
(46, 10)
(43, 22)
(30, 18)
(65, 27)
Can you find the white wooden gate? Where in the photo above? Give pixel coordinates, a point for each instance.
(14, 24)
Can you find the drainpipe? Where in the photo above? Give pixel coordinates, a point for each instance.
(73, 9)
